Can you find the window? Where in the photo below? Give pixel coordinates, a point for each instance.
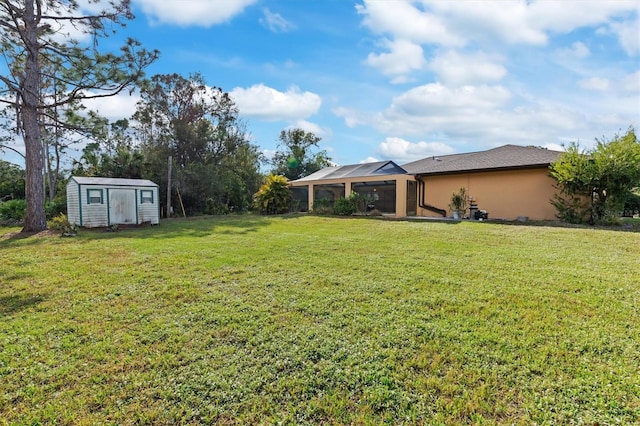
(94, 196)
(146, 196)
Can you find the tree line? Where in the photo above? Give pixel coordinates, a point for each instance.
(49, 77)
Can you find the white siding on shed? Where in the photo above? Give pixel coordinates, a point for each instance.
(98, 202)
(73, 202)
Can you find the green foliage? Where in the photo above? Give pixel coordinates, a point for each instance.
(12, 180)
(316, 320)
(214, 166)
(322, 206)
(56, 206)
(274, 197)
(123, 162)
(354, 203)
(459, 200)
(295, 158)
(344, 207)
(632, 205)
(571, 208)
(13, 211)
(602, 178)
(361, 201)
(61, 223)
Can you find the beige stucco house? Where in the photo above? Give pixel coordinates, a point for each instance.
(508, 182)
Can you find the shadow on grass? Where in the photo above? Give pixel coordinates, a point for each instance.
(198, 226)
(24, 238)
(623, 227)
(15, 303)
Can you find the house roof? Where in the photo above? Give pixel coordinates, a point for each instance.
(379, 168)
(84, 180)
(503, 157)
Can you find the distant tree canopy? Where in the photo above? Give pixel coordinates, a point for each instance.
(595, 184)
(295, 158)
(215, 167)
(11, 181)
(48, 69)
(112, 152)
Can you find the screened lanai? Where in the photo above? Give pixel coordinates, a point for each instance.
(385, 183)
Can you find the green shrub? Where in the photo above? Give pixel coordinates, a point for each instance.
(274, 197)
(344, 207)
(61, 223)
(322, 206)
(55, 207)
(13, 210)
(571, 209)
(361, 201)
(632, 205)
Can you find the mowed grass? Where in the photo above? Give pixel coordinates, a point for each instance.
(313, 320)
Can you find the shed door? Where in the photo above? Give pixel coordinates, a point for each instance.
(122, 206)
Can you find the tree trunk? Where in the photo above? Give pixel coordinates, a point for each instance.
(35, 219)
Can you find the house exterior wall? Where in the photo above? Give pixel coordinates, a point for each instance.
(503, 194)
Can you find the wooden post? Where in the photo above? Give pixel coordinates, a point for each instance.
(184, 214)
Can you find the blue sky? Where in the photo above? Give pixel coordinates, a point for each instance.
(402, 80)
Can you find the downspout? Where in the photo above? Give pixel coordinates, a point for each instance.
(424, 205)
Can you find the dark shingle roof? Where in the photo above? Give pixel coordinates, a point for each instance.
(379, 168)
(503, 157)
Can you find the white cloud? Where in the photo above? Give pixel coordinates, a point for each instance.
(553, 146)
(594, 83)
(520, 22)
(628, 33)
(457, 23)
(275, 22)
(577, 50)
(437, 99)
(270, 104)
(404, 57)
(114, 107)
(406, 21)
(476, 117)
(352, 118)
(403, 151)
(203, 13)
(269, 153)
(369, 160)
(314, 128)
(458, 69)
(631, 83)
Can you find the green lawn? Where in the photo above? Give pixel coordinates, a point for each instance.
(314, 320)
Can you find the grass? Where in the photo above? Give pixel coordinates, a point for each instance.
(313, 320)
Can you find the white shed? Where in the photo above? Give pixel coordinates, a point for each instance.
(96, 201)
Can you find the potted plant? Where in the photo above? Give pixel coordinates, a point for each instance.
(458, 204)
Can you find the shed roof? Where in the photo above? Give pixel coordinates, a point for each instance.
(379, 168)
(84, 180)
(503, 157)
